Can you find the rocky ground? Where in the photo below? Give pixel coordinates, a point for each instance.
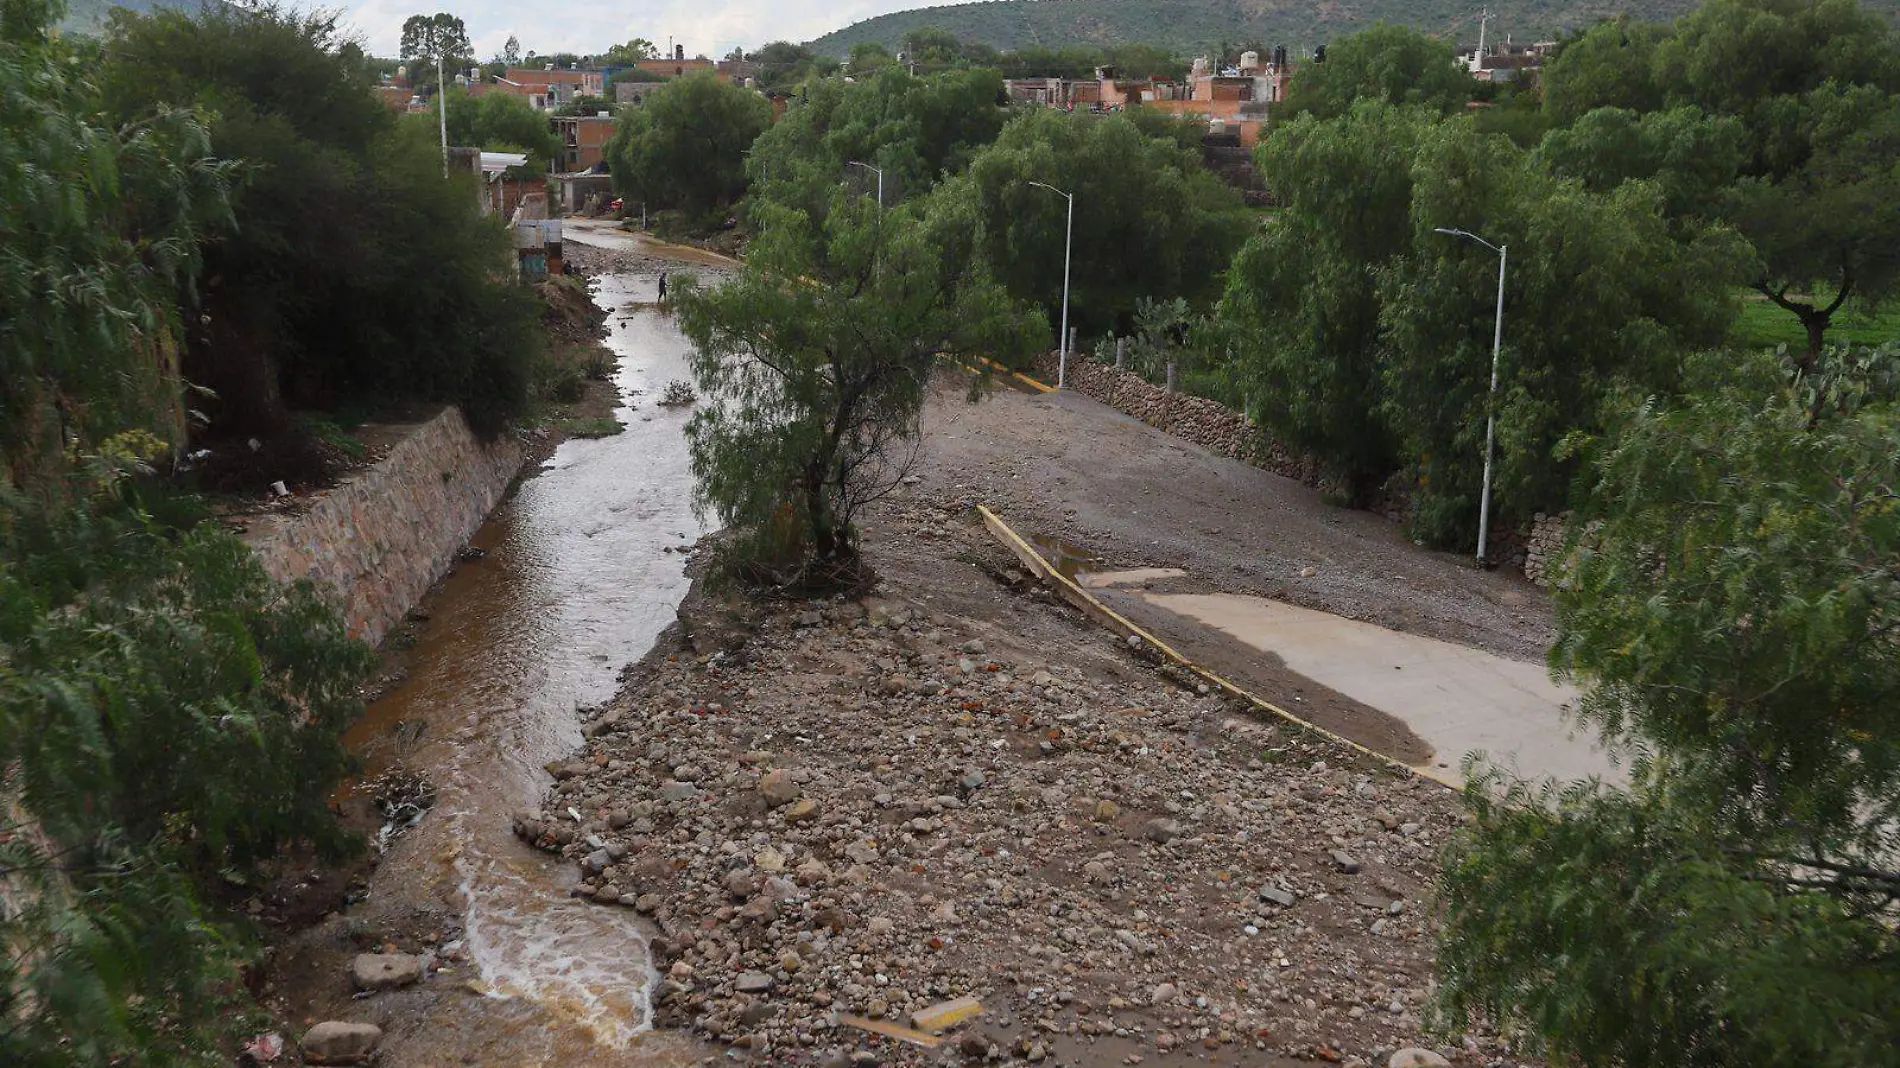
(841, 815)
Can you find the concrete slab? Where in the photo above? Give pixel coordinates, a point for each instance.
(1458, 699)
(1096, 580)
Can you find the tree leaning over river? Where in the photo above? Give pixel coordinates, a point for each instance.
(812, 365)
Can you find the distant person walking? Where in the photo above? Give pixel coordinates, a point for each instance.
(662, 287)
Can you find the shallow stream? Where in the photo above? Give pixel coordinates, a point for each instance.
(576, 582)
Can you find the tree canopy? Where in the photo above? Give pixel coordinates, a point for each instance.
(341, 205)
(813, 365)
(685, 146)
(439, 37)
(1150, 221)
(1389, 63)
(1732, 611)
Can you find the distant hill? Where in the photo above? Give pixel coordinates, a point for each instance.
(89, 16)
(1189, 26)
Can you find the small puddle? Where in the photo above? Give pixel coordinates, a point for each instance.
(1068, 558)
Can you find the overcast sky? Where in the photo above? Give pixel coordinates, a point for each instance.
(711, 27)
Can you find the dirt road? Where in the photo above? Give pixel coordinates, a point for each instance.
(1062, 464)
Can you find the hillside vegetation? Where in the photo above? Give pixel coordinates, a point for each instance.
(1195, 25)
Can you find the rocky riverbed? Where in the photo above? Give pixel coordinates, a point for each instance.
(842, 815)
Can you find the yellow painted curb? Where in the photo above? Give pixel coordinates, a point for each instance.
(1017, 375)
(1122, 625)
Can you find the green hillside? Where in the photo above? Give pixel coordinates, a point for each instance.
(1188, 26)
(88, 16)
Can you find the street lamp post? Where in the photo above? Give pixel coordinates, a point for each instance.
(1490, 407)
(442, 107)
(879, 171)
(1068, 248)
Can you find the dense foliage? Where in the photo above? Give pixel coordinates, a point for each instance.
(1733, 610)
(1191, 26)
(500, 122)
(341, 207)
(916, 130)
(93, 217)
(1150, 221)
(169, 715)
(812, 367)
(685, 146)
(1388, 63)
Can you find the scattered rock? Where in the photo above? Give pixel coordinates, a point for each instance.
(1345, 862)
(803, 810)
(385, 971)
(752, 983)
(778, 788)
(1161, 831)
(1413, 1057)
(336, 1042)
(1163, 993)
(1282, 898)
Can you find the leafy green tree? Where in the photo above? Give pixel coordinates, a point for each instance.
(869, 57)
(1828, 230)
(932, 46)
(1604, 293)
(1132, 192)
(813, 365)
(439, 39)
(1692, 156)
(499, 122)
(782, 64)
(168, 714)
(1732, 612)
(101, 227)
(1303, 296)
(1389, 63)
(341, 206)
(511, 51)
(633, 51)
(1610, 65)
(685, 147)
(1812, 84)
(915, 129)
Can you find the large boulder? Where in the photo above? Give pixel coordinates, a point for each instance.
(385, 971)
(336, 1042)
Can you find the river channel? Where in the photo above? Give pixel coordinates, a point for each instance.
(577, 580)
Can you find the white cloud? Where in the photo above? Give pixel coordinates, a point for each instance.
(708, 27)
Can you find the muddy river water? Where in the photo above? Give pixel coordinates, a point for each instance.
(576, 582)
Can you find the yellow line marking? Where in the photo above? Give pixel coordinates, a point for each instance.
(1017, 375)
(1115, 621)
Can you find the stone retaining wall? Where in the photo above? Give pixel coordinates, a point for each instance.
(383, 536)
(1544, 545)
(1207, 423)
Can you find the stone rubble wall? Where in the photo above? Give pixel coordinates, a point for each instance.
(384, 535)
(1544, 545)
(1207, 423)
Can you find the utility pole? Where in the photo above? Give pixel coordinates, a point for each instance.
(1068, 249)
(442, 106)
(1490, 413)
(1484, 16)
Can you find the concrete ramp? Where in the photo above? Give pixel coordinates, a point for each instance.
(1456, 698)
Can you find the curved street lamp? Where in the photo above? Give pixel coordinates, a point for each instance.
(879, 171)
(1490, 407)
(1068, 247)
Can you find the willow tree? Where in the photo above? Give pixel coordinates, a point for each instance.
(100, 231)
(1733, 616)
(814, 364)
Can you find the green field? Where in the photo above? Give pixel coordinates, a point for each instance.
(1763, 325)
